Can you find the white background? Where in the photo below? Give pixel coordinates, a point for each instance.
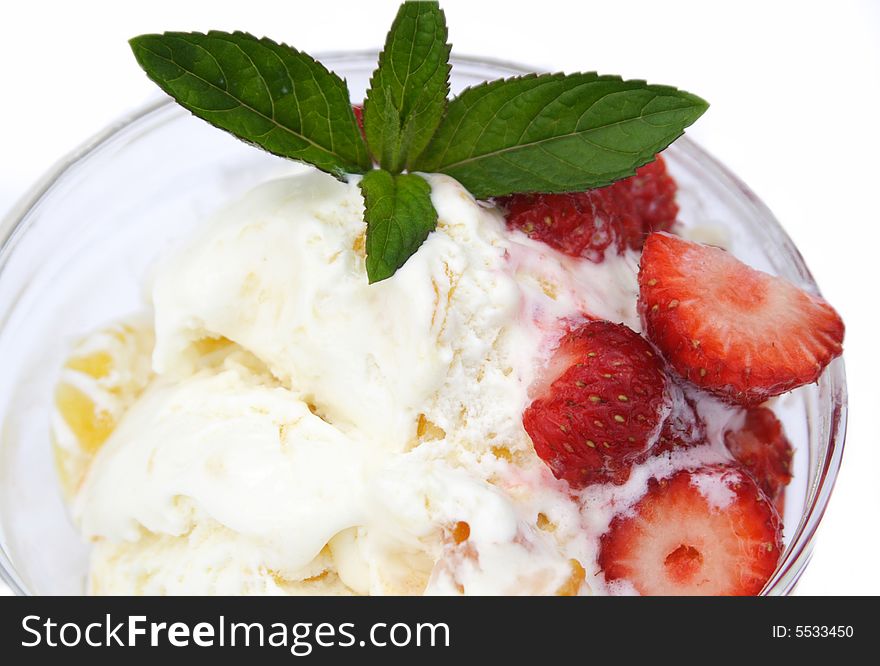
(795, 93)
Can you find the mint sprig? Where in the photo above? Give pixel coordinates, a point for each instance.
(399, 216)
(555, 132)
(548, 133)
(267, 94)
(408, 90)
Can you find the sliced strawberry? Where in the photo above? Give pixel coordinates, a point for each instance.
(763, 449)
(587, 224)
(742, 334)
(704, 532)
(599, 404)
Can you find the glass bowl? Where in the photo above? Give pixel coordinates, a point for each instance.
(77, 254)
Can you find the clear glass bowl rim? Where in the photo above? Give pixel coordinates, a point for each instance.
(800, 547)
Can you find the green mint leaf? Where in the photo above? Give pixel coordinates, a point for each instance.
(399, 215)
(264, 93)
(555, 133)
(407, 95)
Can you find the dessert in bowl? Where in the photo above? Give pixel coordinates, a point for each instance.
(265, 420)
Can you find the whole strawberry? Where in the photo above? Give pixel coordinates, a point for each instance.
(600, 405)
(607, 219)
(652, 192)
(742, 334)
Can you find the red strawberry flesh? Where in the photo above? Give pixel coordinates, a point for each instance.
(763, 449)
(679, 540)
(742, 334)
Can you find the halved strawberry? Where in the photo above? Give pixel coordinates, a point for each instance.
(763, 449)
(587, 224)
(742, 334)
(704, 532)
(599, 405)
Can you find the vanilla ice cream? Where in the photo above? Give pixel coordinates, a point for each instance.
(303, 431)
